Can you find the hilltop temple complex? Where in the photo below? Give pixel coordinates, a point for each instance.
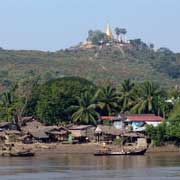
(110, 40)
(109, 32)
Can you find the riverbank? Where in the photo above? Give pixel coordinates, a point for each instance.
(88, 148)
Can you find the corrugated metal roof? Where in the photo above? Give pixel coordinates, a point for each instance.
(144, 117)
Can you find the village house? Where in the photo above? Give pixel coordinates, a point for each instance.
(57, 133)
(110, 134)
(82, 133)
(115, 121)
(34, 131)
(107, 133)
(139, 121)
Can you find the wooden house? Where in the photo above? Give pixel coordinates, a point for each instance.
(57, 134)
(107, 133)
(82, 133)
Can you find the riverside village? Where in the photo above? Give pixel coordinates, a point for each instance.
(101, 121)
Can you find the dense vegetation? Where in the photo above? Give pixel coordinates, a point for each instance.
(74, 99)
(169, 131)
(136, 61)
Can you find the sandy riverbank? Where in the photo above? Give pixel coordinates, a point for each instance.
(88, 148)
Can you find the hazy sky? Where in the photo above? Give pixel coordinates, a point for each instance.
(55, 24)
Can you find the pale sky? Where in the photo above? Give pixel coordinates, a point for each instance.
(56, 24)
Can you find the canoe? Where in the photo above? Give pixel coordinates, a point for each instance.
(22, 154)
(120, 153)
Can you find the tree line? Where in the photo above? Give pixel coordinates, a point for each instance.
(74, 99)
(77, 100)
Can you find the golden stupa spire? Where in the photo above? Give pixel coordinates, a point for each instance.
(108, 31)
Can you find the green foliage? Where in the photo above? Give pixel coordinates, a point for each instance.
(157, 134)
(117, 141)
(168, 131)
(97, 37)
(112, 63)
(173, 127)
(85, 110)
(125, 91)
(107, 100)
(139, 44)
(148, 98)
(51, 101)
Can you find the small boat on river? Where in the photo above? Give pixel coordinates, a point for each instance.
(109, 152)
(22, 154)
(10, 151)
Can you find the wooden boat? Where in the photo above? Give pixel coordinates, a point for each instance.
(22, 154)
(120, 153)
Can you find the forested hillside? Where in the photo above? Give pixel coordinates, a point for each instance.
(137, 62)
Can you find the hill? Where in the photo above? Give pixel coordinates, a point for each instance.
(135, 61)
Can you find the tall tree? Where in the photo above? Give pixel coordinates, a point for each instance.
(53, 99)
(125, 95)
(118, 32)
(107, 100)
(145, 95)
(15, 100)
(123, 31)
(85, 110)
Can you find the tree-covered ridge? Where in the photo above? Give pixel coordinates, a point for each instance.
(137, 61)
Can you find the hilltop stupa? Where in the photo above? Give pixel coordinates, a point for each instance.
(109, 32)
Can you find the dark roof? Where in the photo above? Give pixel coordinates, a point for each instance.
(27, 119)
(144, 117)
(4, 123)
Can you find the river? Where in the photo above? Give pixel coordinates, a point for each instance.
(88, 167)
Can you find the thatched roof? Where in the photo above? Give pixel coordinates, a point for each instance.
(31, 126)
(133, 134)
(38, 130)
(8, 132)
(109, 130)
(56, 130)
(79, 127)
(39, 134)
(62, 132)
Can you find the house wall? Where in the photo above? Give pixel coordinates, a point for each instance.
(118, 124)
(90, 133)
(138, 124)
(153, 123)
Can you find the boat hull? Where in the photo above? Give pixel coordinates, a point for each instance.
(110, 153)
(22, 154)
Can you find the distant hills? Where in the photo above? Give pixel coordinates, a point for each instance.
(136, 61)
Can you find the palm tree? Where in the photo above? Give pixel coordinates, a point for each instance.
(125, 95)
(123, 31)
(85, 109)
(118, 32)
(145, 97)
(107, 100)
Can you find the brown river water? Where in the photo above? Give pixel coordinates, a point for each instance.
(88, 167)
